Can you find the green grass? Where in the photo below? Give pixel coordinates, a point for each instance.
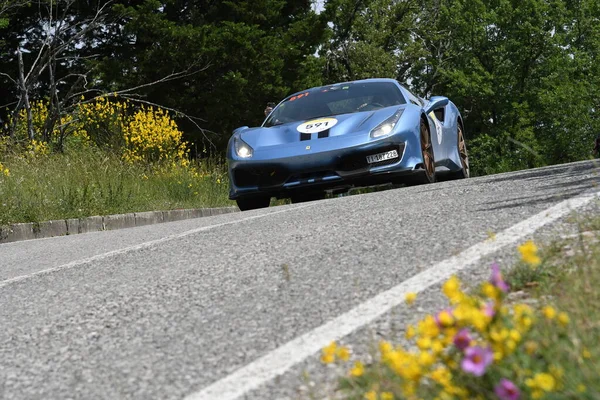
(87, 182)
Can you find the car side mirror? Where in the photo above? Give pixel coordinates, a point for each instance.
(436, 102)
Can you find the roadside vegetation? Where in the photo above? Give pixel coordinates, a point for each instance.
(532, 334)
(114, 157)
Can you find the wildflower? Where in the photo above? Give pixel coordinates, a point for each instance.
(586, 353)
(581, 388)
(452, 289)
(441, 375)
(506, 390)
(410, 298)
(563, 319)
(428, 328)
(477, 360)
(490, 291)
(426, 359)
(371, 395)
(462, 340)
(444, 319)
(549, 312)
(385, 347)
(529, 254)
(358, 369)
(387, 396)
(343, 353)
(328, 353)
(410, 332)
(542, 381)
(489, 310)
(515, 335)
(497, 280)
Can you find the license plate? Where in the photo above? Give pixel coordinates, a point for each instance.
(388, 155)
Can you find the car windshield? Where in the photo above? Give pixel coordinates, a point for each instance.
(337, 99)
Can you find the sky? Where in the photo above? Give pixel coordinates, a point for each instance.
(319, 5)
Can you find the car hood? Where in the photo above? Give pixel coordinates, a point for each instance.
(346, 124)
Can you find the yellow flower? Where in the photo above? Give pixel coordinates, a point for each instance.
(563, 319)
(490, 291)
(426, 359)
(543, 381)
(343, 353)
(445, 318)
(387, 396)
(452, 289)
(371, 395)
(437, 347)
(441, 375)
(327, 358)
(424, 343)
(385, 347)
(328, 353)
(358, 369)
(549, 312)
(428, 327)
(586, 353)
(410, 298)
(515, 335)
(529, 254)
(581, 388)
(410, 332)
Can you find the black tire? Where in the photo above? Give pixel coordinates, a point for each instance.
(305, 197)
(252, 203)
(427, 175)
(465, 171)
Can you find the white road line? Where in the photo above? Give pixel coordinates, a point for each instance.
(285, 357)
(141, 246)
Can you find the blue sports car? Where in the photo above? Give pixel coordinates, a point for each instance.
(335, 137)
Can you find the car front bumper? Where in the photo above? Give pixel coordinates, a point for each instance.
(323, 168)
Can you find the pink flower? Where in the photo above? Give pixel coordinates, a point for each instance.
(506, 390)
(477, 360)
(462, 340)
(497, 280)
(489, 310)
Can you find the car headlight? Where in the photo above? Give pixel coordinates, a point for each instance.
(388, 125)
(242, 149)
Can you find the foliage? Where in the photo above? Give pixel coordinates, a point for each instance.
(525, 74)
(481, 346)
(145, 135)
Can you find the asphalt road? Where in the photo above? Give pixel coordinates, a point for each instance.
(165, 311)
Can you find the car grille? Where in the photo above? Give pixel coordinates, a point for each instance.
(260, 176)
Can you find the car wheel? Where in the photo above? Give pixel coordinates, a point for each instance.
(428, 173)
(465, 172)
(252, 203)
(305, 197)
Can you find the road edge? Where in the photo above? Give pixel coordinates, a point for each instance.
(73, 226)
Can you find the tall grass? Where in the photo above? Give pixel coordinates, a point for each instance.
(89, 182)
